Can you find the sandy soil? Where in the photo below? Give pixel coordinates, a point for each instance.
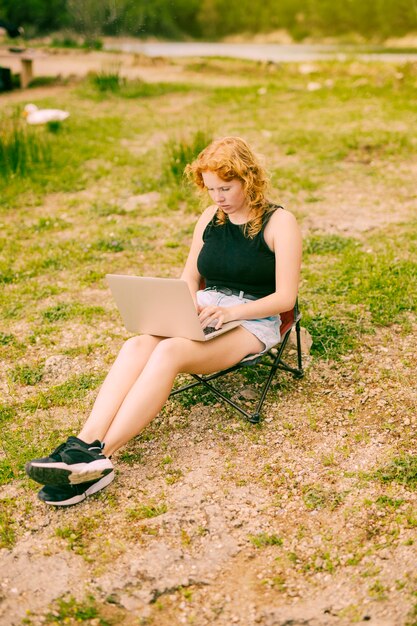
(73, 64)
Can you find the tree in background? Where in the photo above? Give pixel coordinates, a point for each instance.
(90, 18)
(167, 18)
(36, 16)
(213, 19)
(373, 19)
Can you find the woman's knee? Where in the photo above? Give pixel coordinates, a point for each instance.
(171, 350)
(138, 344)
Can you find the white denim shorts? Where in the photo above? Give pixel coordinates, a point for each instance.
(266, 329)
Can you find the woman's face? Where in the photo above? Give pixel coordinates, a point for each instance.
(228, 195)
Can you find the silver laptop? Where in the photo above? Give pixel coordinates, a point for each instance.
(159, 306)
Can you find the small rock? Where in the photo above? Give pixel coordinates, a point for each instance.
(248, 393)
(305, 339)
(57, 369)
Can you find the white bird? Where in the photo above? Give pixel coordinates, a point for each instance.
(42, 116)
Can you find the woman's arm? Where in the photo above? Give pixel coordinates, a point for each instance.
(190, 272)
(283, 236)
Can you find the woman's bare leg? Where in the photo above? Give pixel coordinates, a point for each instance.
(127, 367)
(171, 356)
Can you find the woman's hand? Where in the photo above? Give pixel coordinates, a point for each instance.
(214, 316)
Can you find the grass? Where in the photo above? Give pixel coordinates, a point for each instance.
(26, 374)
(316, 497)
(185, 151)
(262, 540)
(147, 511)
(68, 220)
(65, 394)
(401, 470)
(107, 80)
(68, 609)
(362, 289)
(7, 525)
(22, 150)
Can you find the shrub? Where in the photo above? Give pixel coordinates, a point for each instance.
(107, 80)
(182, 152)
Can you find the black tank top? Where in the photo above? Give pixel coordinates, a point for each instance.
(230, 259)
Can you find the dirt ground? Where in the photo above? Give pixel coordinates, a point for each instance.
(227, 488)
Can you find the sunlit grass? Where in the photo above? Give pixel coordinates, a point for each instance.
(23, 150)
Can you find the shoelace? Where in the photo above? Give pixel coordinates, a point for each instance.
(58, 449)
(72, 444)
(100, 447)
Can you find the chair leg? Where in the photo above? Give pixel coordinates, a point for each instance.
(278, 363)
(300, 373)
(253, 418)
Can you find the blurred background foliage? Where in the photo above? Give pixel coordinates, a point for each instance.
(374, 20)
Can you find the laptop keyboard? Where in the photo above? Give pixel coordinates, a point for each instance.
(208, 330)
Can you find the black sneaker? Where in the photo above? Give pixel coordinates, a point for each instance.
(66, 495)
(73, 462)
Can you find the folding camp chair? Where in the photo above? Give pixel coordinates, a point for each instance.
(271, 360)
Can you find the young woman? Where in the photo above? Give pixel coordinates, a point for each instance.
(248, 252)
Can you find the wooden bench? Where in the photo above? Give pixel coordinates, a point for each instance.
(26, 58)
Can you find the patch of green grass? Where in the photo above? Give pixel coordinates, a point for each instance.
(389, 503)
(50, 223)
(261, 540)
(65, 41)
(104, 209)
(109, 245)
(70, 310)
(184, 151)
(45, 81)
(68, 610)
(293, 179)
(24, 374)
(327, 244)
(316, 497)
(107, 80)
(22, 149)
(147, 511)
(354, 287)
(331, 337)
(131, 456)
(70, 41)
(31, 433)
(66, 394)
(111, 82)
(79, 536)
(7, 413)
(378, 591)
(401, 470)
(7, 524)
(7, 472)
(7, 339)
(384, 283)
(77, 142)
(195, 395)
(141, 89)
(173, 475)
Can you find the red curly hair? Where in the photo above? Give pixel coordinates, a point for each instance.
(232, 159)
